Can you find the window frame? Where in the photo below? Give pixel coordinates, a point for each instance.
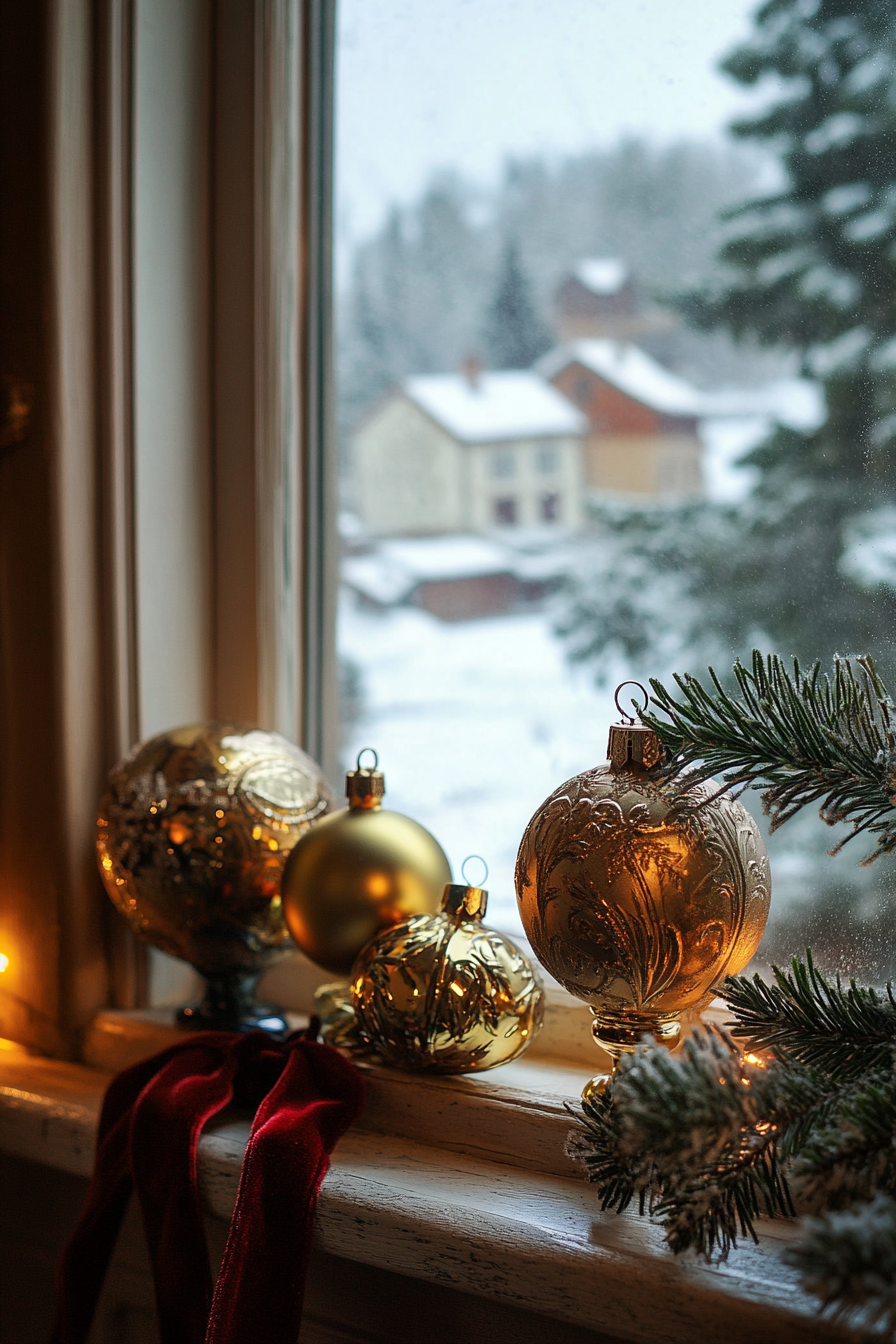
(247, 185)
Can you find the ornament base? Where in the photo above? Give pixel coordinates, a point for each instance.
(229, 1004)
(620, 1033)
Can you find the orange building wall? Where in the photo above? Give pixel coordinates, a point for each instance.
(632, 449)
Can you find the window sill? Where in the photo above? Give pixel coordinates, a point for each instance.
(460, 1210)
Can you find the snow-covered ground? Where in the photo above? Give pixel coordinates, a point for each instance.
(475, 722)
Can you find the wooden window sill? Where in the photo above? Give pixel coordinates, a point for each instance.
(488, 1204)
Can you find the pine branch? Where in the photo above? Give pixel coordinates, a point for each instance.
(852, 1154)
(849, 1260)
(803, 1017)
(697, 1136)
(596, 1143)
(709, 1141)
(800, 737)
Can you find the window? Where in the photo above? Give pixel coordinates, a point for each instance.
(503, 463)
(193, 569)
(582, 392)
(547, 461)
(549, 507)
(468, 216)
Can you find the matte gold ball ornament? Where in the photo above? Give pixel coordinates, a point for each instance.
(640, 893)
(192, 836)
(359, 871)
(442, 993)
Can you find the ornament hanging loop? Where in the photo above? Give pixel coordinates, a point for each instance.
(463, 870)
(625, 714)
(376, 759)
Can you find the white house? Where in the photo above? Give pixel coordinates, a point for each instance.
(470, 452)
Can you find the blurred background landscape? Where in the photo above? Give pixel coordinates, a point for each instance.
(616, 353)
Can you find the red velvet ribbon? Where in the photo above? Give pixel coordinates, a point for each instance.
(304, 1096)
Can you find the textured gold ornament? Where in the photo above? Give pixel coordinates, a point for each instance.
(442, 993)
(639, 893)
(357, 872)
(192, 836)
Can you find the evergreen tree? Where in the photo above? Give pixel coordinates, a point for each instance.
(515, 333)
(808, 268)
(812, 266)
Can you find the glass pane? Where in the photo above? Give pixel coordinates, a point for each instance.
(600, 417)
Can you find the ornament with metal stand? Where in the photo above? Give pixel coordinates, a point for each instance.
(442, 993)
(361, 870)
(192, 835)
(640, 893)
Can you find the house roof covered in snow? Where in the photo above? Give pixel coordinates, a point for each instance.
(451, 557)
(632, 371)
(493, 407)
(602, 275)
(391, 572)
(797, 403)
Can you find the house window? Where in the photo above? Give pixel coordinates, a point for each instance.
(503, 464)
(547, 461)
(505, 511)
(549, 507)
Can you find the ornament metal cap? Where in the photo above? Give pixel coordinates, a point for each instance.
(365, 787)
(461, 902)
(632, 745)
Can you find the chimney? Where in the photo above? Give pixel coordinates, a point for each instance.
(471, 368)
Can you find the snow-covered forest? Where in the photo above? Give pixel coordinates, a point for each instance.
(419, 293)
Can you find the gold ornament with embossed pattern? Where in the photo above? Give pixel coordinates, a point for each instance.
(639, 893)
(192, 835)
(444, 994)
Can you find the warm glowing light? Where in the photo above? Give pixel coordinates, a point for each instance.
(4, 962)
(755, 1059)
(256, 832)
(178, 832)
(272, 845)
(457, 989)
(379, 884)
